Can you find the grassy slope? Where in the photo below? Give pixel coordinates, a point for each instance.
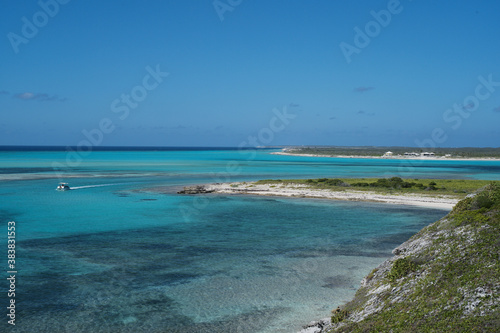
(455, 187)
(446, 278)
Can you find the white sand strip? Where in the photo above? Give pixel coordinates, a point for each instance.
(396, 157)
(304, 191)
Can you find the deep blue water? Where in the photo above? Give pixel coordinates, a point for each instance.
(122, 252)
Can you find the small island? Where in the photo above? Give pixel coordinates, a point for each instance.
(412, 153)
(432, 193)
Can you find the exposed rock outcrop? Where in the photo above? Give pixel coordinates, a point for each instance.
(446, 278)
(199, 189)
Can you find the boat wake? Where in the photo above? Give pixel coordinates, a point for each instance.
(90, 186)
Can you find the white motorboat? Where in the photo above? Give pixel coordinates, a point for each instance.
(63, 187)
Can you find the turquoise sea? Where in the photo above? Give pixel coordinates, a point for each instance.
(122, 252)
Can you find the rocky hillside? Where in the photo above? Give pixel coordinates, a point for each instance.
(446, 278)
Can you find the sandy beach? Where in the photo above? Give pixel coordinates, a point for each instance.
(304, 191)
(396, 157)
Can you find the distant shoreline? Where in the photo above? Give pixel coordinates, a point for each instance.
(399, 157)
(302, 191)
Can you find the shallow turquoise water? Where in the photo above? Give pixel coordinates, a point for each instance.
(122, 252)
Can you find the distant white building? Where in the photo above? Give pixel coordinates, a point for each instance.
(388, 154)
(424, 154)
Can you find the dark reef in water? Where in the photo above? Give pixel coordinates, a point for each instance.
(199, 189)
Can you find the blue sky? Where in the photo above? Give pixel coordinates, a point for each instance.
(426, 73)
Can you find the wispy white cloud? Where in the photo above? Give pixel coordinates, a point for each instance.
(363, 89)
(29, 96)
(25, 96)
(364, 113)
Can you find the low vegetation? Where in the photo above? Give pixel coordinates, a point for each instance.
(464, 152)
(446, 278)
(455, 187)
(401, 268)
(338, 315)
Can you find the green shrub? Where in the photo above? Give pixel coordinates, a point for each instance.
(484, 200)
(400, 268)
(462, 205)
(339, 315)
(470, 217)
(361, 184)
(394, 183)
(487, 199)
(333, 182)
(371, 275)
(336, 182)
(407, 185)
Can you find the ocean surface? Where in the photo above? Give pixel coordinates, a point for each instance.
(122, 252)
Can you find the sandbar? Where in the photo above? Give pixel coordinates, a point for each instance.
(303, 191)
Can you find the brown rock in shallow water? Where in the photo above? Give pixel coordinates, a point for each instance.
(194, 190)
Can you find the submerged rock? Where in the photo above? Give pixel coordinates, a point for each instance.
(316, 326)
(195, 190)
